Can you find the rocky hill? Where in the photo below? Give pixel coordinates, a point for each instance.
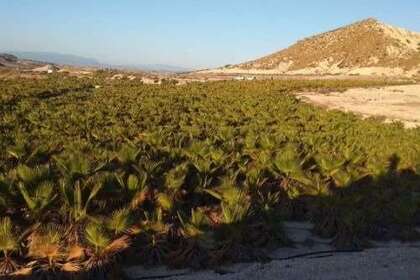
(367, 47)
(10, 61)
(7, 59)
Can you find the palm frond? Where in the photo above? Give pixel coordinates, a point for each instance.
(71, 267)
(96, 237)
(175, 178)
(118, 245)
(8, 240)
(165, 201)
(75, 253)
(120, 221)
(46, 243)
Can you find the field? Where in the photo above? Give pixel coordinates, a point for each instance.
(96, 172)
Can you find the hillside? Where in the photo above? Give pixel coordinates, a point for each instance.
(7, 59)
(367, 47)
(80, 61)
(57, 58)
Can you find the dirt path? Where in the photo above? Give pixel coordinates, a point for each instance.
(401, 103)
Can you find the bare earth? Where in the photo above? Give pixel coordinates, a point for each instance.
(396, 103)
(311, 258)
(376, 264)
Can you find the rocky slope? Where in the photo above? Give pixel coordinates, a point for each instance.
(367, 47)
(7, 59)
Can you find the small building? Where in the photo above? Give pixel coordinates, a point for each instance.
(49, 68)
(150, 81)
(118, 77)
(251, 78)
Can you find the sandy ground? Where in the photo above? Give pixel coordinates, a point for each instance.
(374, 264)
(401, 103)
(321, 69)
(311, 258)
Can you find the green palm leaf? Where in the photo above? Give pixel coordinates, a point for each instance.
(8, 240)
(120, 221)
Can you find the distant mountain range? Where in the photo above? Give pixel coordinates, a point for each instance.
(57, 58)
(152, 67)
(74, 60)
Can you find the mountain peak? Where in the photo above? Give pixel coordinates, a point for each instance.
(370, 20)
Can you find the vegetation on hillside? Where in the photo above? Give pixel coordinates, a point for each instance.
(192, 175)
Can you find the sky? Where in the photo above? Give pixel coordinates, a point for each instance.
(189, 33)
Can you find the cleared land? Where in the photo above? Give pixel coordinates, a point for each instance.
(311, 258)
(375, 264)
(395, 103)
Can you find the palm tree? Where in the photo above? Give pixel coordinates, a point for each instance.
(288, 163)
(47, 247)
(38, 199)
(102, 248)
(74, 167)
(232, 224)
(127, 155)
(197, 240)
(6, 197)
(8, 245)
(36, 190)
(136, 188)
(235, 206)
(175, 178)
(341, 172)
(77, 198)
(153, 233)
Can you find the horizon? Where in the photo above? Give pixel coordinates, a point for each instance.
(183, 34)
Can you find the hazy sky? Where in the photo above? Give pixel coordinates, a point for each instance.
(193, 33)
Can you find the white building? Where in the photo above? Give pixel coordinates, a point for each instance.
(49, 68)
